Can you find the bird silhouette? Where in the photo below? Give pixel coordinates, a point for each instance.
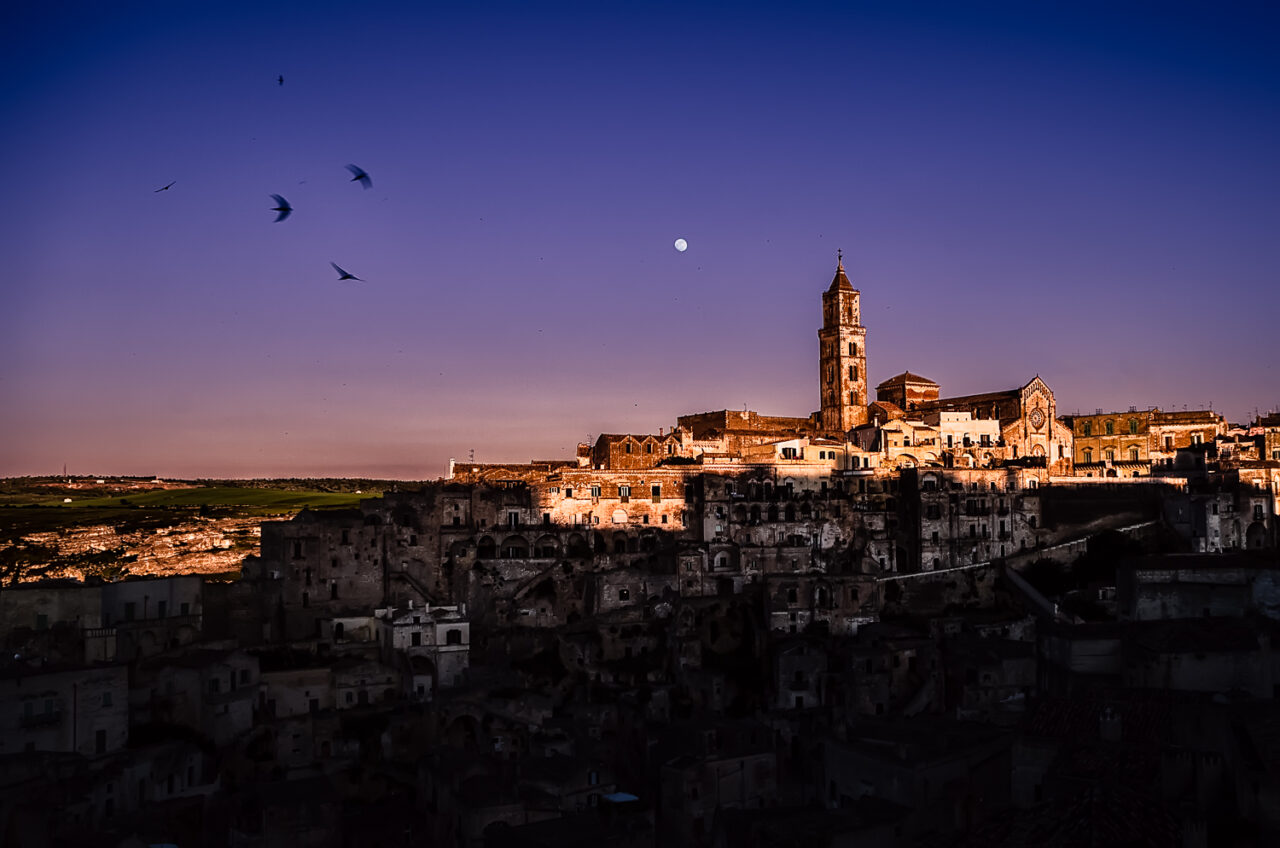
(344, 275)
(280, 79)
(360, 176)
(165, 188)
(282, 206)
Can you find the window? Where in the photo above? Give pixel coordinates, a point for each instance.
(346, 536)
(624, 594)
(624, 491)
(595, 490)
(415, 639)
(1086, 428)
(1088, 455)
(1133, 454)
(1197, 438)
(297, 550)
(1110, 455)
(648, 447)
(1133, 426)
(100, 747)
(568, 492)
(215, 685)
(453, 636)
(1111, 428)
(162, 607)
(513, 519)
(655, 492)
(130, 608)
(853, 349)
(628, 447)
(244, 677)
(106, 699)
(42, 621)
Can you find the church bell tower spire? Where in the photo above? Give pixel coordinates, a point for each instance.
(842, 358)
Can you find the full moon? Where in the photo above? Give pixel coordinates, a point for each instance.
(682, 245)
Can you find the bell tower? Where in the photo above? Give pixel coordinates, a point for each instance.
(842, 357)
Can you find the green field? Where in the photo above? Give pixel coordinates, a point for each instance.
(160, 507)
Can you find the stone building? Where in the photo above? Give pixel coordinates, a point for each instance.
(1130, 444)
(78, 709)
(127, 619)
(954, 517)
(907, 392)
(210, 690)
(843, 357)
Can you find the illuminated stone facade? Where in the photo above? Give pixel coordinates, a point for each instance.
(843, 359)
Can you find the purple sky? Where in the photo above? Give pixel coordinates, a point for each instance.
(1076, 190)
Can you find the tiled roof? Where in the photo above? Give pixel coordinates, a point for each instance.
(841, 280)
(906, 377)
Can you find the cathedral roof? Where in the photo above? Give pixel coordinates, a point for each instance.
(906, 377)
(840, 282)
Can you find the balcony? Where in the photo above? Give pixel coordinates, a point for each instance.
(42, 719)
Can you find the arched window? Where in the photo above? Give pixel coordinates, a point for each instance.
(547, 546)
(1111, 428)
(1086, 429)
(515, 547)
(1133, 426)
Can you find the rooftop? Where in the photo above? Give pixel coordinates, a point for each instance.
(906, 377)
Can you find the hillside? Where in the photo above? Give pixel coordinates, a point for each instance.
(112, 527)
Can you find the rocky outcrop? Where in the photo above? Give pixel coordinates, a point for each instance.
(196, 545)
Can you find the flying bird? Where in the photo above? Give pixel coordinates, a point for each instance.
(280, 79)
(165, 188)
(360, 176)
(344, 275)
(282, 206)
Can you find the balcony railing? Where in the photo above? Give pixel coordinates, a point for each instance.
(42, 719)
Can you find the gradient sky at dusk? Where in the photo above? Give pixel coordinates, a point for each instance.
(1084, 191)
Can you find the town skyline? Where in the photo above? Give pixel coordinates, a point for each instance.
(1083, 194)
